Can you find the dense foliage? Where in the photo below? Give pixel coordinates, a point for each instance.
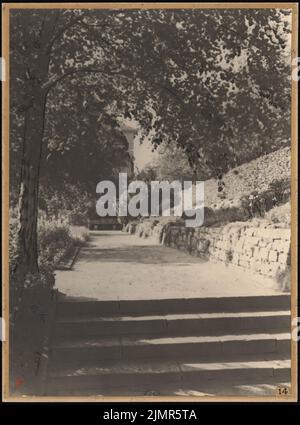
(214, 82)
(201, 78)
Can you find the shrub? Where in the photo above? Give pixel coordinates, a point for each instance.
(32, 299)
(73, 204)
(54, 243)
(279, 188)
(280, 214)
(257, 204)
(80, 234)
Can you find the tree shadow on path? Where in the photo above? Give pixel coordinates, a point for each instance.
(138, 254)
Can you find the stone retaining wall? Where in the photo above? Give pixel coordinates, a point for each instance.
(265, 249)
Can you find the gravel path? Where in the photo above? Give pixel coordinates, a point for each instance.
(119, 266)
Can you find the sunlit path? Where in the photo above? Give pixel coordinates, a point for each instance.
(116, 266)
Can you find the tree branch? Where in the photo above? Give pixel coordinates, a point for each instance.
(62, 31)
(88, 70)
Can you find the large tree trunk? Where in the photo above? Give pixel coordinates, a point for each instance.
(37, 76)
(28, 201)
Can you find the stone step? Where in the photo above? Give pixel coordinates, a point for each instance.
(69, 307)
(97, 349)
(150, 375)
(176, 324)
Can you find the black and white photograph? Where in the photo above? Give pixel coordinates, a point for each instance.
(149, 201)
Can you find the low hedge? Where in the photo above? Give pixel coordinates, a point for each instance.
(32, 304)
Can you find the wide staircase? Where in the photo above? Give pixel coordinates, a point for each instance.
(169, 346)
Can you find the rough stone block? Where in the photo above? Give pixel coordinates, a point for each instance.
(265, 269)
(273, 256)
(247, 244)
(256, 253)
(272, 269)
(249, 232)
(281, 234)
(282, 246)
(283, 258)
(222, 255)
(253, 240)
(262, 243)
(235, 258)
(239, 245)
(256, 266)
(263, 254)
(245, 264)
(264, 233)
